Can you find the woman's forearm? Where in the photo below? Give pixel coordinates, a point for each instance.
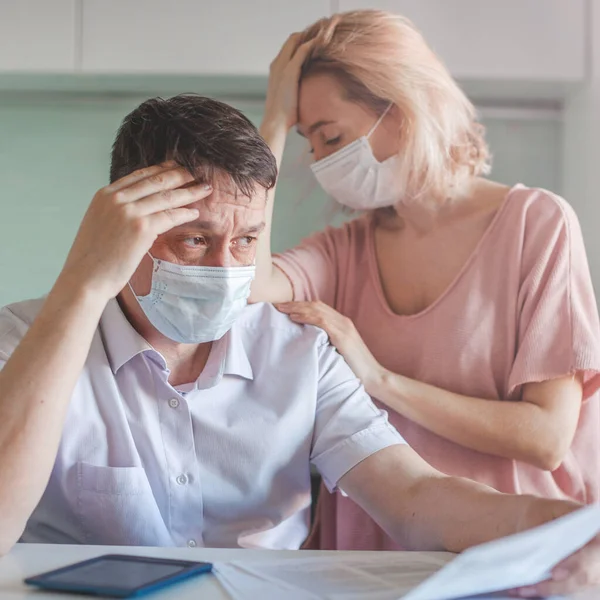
(518, 430)
(270, 285)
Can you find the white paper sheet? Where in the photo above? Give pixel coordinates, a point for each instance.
(384, 577)
(518, 560)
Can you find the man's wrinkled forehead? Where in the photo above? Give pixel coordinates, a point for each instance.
(225, 191)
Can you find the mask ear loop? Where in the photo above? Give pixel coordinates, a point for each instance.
(385, 112)
(154, 269)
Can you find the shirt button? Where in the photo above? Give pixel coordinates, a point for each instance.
(182, 479)
(173, 403)
(192, 543)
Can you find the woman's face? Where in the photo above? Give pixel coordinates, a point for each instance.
(329, 121)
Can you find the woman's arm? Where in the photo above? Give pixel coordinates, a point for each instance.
(281, 114)
(270, 284)
(537, 430)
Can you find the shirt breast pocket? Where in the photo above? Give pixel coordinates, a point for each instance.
(116, 506)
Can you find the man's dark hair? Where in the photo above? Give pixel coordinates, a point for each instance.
(200, 134)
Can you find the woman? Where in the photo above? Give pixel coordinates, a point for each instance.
(465, 306)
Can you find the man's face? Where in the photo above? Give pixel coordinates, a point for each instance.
(224, 234)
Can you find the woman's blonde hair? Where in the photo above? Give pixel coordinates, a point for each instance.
(381, 58)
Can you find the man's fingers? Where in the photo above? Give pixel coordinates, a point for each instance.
(169, 199)
(138, 175)
(546, 588)
(168, 219)
(161, 181)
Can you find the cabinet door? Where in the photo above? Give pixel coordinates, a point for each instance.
(538, 40)
(37, 35)
(226, 37)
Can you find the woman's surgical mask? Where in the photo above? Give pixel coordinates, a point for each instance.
(355, 178)
(194, 305)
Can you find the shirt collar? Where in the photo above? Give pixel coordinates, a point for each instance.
(236, 359)
(123, 342)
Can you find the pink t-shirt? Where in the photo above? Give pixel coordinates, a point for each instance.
(521, 310)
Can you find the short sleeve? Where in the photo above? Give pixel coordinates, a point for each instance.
(558, 325)
(10, 334)
(15, 320)
(348, 426)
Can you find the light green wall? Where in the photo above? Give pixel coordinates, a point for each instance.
(54, 155)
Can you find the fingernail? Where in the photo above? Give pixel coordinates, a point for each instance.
(207, 186)
(560, 574)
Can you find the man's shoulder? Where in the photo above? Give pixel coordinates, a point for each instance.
(25, 311)
(263, 318)
(15, 320)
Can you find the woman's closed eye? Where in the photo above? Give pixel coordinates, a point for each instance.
(328, 142)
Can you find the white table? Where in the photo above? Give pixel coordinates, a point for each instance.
(26, 560)
(31, 559)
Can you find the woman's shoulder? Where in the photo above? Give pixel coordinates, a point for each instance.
(538, 205)
(540, 222)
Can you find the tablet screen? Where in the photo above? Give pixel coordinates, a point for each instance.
(125, 575)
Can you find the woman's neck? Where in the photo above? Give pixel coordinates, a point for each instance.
(425, 217)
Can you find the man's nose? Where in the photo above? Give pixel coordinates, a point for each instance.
(218, 256)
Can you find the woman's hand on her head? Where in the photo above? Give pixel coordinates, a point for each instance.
(281, 106)
(342, 334)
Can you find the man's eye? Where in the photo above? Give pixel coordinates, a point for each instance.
(246, 241)
(195, 242)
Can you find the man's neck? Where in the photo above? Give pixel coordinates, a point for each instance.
(185, 361)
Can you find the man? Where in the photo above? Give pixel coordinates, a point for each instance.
(143, 403)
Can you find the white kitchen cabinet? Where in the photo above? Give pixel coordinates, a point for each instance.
(37, 35)
(534, 40)
(226, 37)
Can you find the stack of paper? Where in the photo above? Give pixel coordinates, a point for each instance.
(523, 559)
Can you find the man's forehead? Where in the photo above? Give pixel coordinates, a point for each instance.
(226, 190)
(230, 194)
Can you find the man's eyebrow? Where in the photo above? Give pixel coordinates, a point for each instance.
(254, 229)
(200, 225)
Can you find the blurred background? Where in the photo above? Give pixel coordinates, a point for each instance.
(70, 70)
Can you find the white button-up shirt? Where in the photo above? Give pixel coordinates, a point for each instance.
(222, 462)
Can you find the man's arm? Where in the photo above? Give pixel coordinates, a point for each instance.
(425, 510)
(38, 379)
(35, 387)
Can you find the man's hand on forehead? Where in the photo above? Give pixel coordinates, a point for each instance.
(125, 218)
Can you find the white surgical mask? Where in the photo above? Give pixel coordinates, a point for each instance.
(355, 178)
(194, 305)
